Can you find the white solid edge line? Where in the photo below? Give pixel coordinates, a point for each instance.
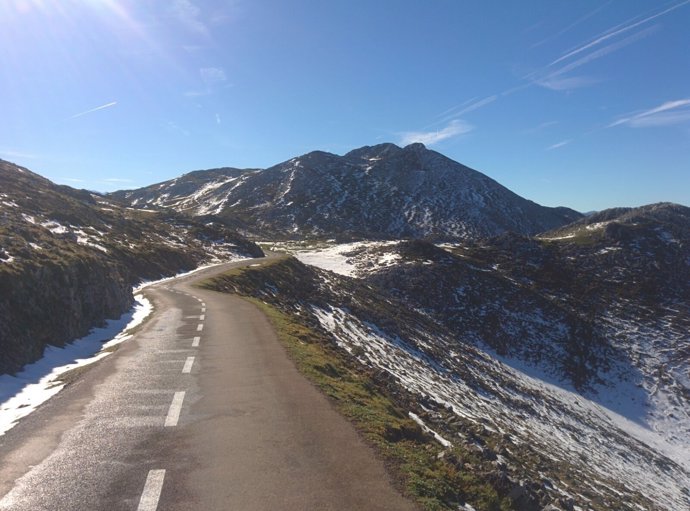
(175, 409)
(200, 327)
(152, 490)
(188, 365)
(195, 342)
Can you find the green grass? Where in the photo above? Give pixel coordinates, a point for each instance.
(422, 468)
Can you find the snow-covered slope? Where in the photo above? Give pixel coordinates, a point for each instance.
(382, 191)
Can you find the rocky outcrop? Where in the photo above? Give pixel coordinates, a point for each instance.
(56, 303)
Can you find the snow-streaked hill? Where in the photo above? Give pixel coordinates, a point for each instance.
(69, 259)
(577, 340)
(546, 443)
(382, 191)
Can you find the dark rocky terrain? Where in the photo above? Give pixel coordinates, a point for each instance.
(382, 191)
(69, 259)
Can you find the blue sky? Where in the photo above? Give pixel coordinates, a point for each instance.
(584, 104)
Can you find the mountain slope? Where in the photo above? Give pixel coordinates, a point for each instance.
(599, 306)
(69, 259)
(535, 443)
(382, 191)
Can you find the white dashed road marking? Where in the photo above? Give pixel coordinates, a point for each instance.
(200, 327)
(152, 491)
(188, 365)
(195, 342)
(175, 409)
(202, 317)
(203, 309)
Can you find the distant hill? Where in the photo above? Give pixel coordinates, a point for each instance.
(69, 259)
(382, 191)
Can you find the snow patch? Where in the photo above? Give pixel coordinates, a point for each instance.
(22, 393)
(445, 443)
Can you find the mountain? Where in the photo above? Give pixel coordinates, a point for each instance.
(69, 259)
(382, 191)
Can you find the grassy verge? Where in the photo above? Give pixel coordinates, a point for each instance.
(436, 477)
(416, 461)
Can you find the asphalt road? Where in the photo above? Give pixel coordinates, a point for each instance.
(200, 410)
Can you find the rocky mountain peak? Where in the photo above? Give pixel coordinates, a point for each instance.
(380, 191)
(378, 151)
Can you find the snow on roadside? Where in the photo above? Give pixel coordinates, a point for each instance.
(22, 393)
(36, 383)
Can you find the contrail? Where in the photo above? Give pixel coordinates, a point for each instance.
(107, 105)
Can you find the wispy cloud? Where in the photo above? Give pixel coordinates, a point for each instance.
(117, 180)
(559, 144)
(542, 126)
(107, 105)
(454, 128)
(552, 76)
(555, 82)
(173, 127)
(554, 79)
(666, 114)
(573, 25)
(10, 153)
(606, 50)
(189, 15)
(198, 93)
(615, 31)
(466, 107)
(218, 120)
(212, 76)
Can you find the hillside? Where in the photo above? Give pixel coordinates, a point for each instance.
(599, 306)
(69, 259)
(381, 191)
(531, 442)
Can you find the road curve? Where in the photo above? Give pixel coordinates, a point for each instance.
(201, 409)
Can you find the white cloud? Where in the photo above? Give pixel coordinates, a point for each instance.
(454, 128)
(189, 15)
(9, 153)
(218, 121)
(559, 144)
(117, 180)
(212, 76)
(614, 31)
(566, 83)
(666, 114)
(603, 44)
(573, 25)
(602, 52)
(107, 105)
(555, 79)
(175, 128)
(467, 106)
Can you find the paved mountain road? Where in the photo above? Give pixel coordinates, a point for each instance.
(201, 409)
